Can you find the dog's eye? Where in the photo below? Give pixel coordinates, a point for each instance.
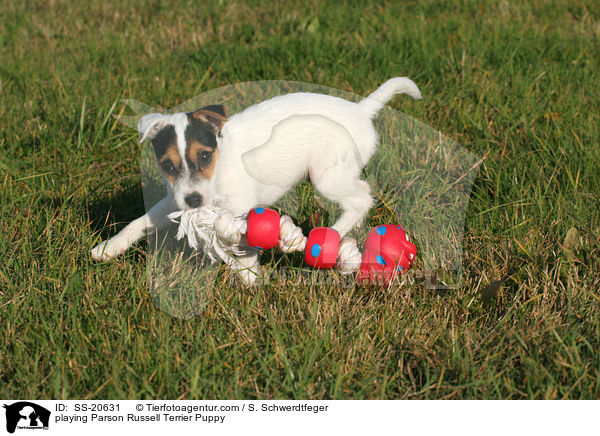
(205, 157)
(168, 167)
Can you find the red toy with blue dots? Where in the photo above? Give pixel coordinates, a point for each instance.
(322, 247)
(388, 250)
(263, 228)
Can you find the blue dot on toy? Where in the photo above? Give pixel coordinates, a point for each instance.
(380, 260)
(259, 210)
(260, 248)
(381, 230)
(399, 228)
(399, 268)
(315, 250)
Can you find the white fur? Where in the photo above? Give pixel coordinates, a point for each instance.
(266, 149)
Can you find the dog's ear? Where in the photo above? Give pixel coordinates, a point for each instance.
(149, 125)
(215, 115)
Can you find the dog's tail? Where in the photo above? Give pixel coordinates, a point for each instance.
(398, 85)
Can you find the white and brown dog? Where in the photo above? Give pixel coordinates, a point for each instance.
(256, 156)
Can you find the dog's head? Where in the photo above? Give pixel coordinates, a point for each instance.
(186, 150)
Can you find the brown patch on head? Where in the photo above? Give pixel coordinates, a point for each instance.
(209, 171)
(214, 115)
(201, 159)
(167, 154)
(170, 162)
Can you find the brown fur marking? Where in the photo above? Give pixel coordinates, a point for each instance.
(192, 153)
(172, 154)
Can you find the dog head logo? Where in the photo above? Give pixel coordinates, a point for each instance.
(26, 415)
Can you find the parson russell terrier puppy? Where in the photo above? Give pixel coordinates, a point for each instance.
(256, 156)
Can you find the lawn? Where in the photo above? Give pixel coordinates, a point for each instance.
(515, 84)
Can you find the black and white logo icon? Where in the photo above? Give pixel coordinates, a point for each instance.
(26, 415)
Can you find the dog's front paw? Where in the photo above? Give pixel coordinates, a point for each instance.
(226, 229)
(108, 250)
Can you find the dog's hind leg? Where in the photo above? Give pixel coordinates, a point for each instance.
(352, 194)
(355, 207)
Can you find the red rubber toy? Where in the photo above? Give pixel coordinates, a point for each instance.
(387, 252)
(263, 228)
(322, 247)
(374, 268)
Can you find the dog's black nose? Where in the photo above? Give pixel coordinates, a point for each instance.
(193, 200)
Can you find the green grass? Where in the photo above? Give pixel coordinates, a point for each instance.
(514, 83)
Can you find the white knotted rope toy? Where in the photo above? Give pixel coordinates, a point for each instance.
(218, 233)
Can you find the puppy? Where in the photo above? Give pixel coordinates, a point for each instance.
(256, 156)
